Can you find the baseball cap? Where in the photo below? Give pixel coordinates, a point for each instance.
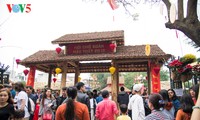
(137, 87)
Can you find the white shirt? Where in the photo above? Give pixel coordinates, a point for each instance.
(92, 100)
(22, 95)
(137, 106)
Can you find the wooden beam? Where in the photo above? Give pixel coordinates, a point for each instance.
(64, 76)
(132, 60)
(114, 83)
(50, 76)
(73, 64)
(77, 73)
(149, 77)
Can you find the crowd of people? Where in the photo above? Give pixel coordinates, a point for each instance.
(76, 103)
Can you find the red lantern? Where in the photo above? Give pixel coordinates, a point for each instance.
(58, 50)
(17, 61)
(54, 80)
(112, 46)
(26, 72)
(156, 70)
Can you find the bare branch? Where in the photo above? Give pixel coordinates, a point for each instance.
(180, 10)
(168, 5)
(192, 9)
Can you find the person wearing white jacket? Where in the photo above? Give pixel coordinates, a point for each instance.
(136, 104)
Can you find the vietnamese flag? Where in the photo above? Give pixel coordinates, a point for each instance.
(113, 4)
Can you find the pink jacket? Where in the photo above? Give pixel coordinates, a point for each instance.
(106, 110)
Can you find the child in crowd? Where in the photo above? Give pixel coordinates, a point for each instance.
(123, 116)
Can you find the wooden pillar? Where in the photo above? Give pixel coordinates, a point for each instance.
(149, 76)
(50, 77)
(114, 83)
(77, 73)
(64, 75)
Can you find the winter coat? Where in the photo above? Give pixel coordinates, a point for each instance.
(123, 98)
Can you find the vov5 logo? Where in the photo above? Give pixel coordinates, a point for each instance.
(16, 8)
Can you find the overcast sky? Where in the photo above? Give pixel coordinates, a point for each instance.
(23, 34)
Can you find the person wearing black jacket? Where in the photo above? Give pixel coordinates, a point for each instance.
(81, 95)
(123, 97)
(60, 100)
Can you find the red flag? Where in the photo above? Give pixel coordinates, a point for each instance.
(113, 4)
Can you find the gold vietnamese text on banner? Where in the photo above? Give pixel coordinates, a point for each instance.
(155, 79)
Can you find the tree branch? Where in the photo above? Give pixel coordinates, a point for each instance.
(168, 5)
(192, 9)
(180, 10)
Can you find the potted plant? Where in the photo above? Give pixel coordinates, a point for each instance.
(174, 66)
(185, 73)
(181, 68)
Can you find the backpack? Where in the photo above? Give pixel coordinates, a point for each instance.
(31, 106)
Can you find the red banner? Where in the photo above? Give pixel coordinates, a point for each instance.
(89, 48)
(31, 77)
(155, 71)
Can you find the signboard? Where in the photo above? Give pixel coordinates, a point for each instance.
(89, 48)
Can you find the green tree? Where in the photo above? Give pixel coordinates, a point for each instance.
(164, 75)
(131, 76)
(102, 79)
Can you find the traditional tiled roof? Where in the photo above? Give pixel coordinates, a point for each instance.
(117, 36)
(123, 52)
(135, 55)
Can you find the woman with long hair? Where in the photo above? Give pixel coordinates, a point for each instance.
(21, 99)
(185, 111)
(72, 110)
(196, 111)
(192, 94)
(167, 107)
(155, 103)
(47, 105)
(6, 105)
(174, 99)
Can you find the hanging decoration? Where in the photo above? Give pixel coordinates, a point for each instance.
(58, 70)
(113, 4)
(79, 78)
(17, 61)
(54, 80)
(155, 79)
(31, 76)
(112, 46)
(112, 70)
(26, 72)
(58, 50)
(156, 70)
(147, 50)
